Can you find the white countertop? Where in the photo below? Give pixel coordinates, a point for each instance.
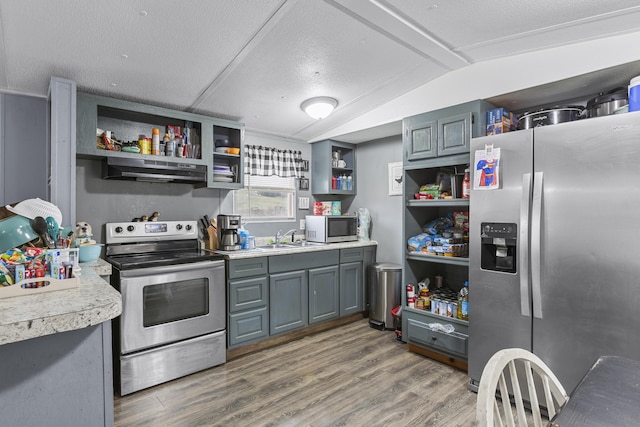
(94, 301)
(254, 253)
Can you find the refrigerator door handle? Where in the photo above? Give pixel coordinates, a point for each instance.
(536, 225)
(525, 208)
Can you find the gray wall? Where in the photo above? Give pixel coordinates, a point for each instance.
(100, 201)
(373, 193)
(24, 152)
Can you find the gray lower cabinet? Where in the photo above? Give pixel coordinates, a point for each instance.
(272, 295)
(248, 314)
(247, 300)
(288, 308)
(305, 296)
(351, 288)
(59, 380)
(351, 281)
(324, 296)
(423, 330)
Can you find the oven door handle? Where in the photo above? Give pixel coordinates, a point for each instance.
(172, 268)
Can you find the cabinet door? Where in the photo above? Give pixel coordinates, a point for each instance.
(323, 294)
(454, 134)
(248, 326)
(351, 288)
(421, 140)
(248, 293)
(288, 301)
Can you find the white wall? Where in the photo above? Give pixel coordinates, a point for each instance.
(489, 79)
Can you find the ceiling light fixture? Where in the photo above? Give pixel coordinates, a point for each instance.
(319, 107)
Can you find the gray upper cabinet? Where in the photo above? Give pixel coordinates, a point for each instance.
(422, 136)
(325, 167)
(443, 132)
(128, 120)
(454, 134)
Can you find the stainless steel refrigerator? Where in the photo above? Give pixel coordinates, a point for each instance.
(555, 245)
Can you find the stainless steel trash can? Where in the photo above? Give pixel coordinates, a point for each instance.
(384, 290)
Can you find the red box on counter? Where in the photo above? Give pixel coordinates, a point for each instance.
(318, 208)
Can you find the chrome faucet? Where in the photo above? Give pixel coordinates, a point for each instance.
(279, 234)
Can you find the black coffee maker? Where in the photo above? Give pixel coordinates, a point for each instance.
(228, 226)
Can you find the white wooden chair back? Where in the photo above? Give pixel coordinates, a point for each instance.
(504, 369)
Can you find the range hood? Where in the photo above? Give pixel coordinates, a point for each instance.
(153, 170)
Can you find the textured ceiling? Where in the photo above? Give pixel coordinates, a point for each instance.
(255, 61)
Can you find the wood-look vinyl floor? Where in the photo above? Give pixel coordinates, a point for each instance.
(352, 375)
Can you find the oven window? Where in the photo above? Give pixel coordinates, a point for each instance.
(168, 302)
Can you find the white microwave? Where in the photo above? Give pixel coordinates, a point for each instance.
(331, 228)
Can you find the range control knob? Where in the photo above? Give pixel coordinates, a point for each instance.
(188, 227)
(118, 230)
(179, 227)
(130, 228)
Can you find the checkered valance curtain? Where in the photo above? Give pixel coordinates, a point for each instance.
(265, 161)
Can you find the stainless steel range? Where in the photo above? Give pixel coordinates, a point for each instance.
(173, 303)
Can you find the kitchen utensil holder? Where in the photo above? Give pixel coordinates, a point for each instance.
(211, 239)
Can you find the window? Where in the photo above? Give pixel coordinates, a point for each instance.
(266, 198)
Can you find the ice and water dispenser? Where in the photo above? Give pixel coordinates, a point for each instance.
(498, 246)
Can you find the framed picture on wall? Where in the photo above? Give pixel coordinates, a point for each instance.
(303, 184)
(395, 179)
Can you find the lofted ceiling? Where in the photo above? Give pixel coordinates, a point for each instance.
(256, 61)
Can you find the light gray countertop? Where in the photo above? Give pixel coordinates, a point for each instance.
(254, 253)
(94, 301)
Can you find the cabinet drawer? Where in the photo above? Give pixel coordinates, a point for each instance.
(248, 293)
(454, 342)
(247, 267)
(284, 263)
(351, 255)
(248, 326)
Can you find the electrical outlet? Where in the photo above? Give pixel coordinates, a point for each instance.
(302, 224)
(303, 203)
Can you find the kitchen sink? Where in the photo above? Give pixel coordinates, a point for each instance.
(274, 246)
(298, 244)
(303, 243)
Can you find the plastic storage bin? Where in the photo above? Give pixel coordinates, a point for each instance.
(384, 289)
